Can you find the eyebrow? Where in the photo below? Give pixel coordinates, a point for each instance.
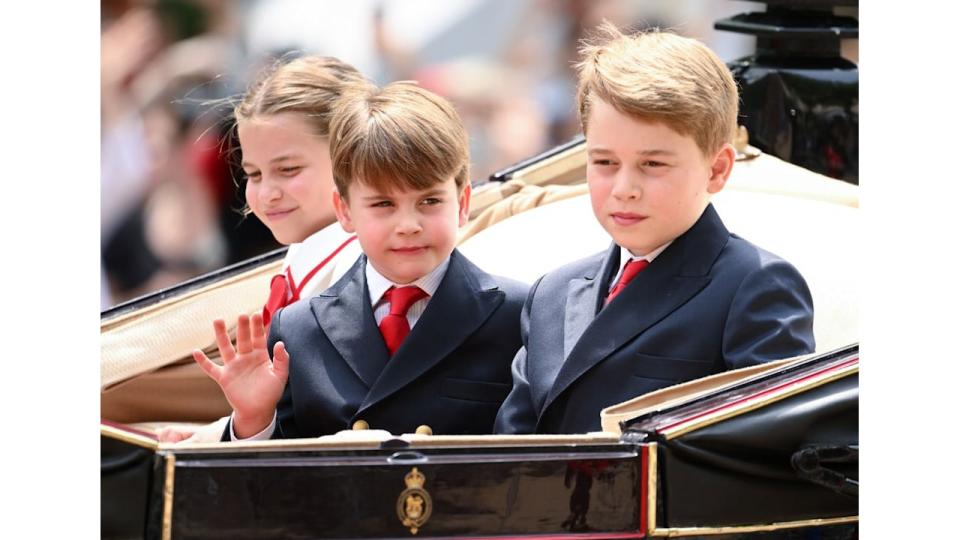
(277, 159)
(379, 196)
(651, 152)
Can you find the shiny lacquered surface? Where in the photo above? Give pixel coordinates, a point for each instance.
(353, 494)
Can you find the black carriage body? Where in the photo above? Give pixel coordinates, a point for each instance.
(770, 455)
(775, 452)
(578, 488)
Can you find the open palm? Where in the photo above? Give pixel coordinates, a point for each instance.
(249, 380)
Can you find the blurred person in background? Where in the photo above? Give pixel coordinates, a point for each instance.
(168, 204)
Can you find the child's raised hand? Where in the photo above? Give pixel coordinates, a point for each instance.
(249, 380)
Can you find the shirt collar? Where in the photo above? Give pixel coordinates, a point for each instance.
(626, 256)
(377, 284)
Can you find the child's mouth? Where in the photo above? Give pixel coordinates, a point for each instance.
(414, 250)
(627, 218)
(274, 215)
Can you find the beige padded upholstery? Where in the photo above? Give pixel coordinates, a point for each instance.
(521, 198)
(166, 332)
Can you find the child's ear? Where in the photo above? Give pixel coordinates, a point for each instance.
(342, 209)
(465, 205)
(720, 168)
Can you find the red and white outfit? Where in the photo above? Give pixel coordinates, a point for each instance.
(311, 266)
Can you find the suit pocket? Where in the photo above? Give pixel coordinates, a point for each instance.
(670, 369)
(486, 392)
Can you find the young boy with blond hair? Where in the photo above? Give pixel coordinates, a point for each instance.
(676, 296)
(413, 334)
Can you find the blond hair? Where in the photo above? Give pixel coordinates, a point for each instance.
(397, 136)
(659, 76)
(309, 85)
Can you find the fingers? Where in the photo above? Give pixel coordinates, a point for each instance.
(243, 335)
(166, 434)
(258, 333)
(223, 341)
(172, 435)
(207, 365)
(281, 361)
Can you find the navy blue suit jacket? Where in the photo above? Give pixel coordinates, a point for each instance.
(451, 373)
(709, 302)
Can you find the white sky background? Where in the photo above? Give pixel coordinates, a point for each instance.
(341, 29)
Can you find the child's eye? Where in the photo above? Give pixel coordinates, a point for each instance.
(602, 162)
(430, 201)
(654, 164)
(252, 176)
(381, 204)
(290, 171)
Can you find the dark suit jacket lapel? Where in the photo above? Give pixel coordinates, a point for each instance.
(586, 292)
(464, 300)
(675, 276)
(344, 313)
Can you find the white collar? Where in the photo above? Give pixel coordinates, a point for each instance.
(303, 257)
(377, 284)
(626, 255)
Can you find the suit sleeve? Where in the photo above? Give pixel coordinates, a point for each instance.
(517, 414)
(286, 424)
(770, 318)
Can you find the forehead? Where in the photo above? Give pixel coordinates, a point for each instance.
(270, 134)
(397, 189)
(610, 130)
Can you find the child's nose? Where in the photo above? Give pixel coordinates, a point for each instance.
(270, 191)
(626, 185)
(409, 223)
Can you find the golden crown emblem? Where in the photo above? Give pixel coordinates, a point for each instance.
(414, 505)
(414, 479)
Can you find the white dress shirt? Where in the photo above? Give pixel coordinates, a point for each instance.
(378, 285)
(627, 256)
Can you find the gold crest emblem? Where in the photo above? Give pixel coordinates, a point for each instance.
(414, 504)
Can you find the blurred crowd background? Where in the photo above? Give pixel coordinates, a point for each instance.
(169, 198)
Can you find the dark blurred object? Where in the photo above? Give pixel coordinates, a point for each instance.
(183, 19)
(799, 97)
(128, 259)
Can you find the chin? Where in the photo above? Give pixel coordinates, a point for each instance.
(286, 238)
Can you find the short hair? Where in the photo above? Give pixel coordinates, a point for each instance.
(661, 76)
(309, 85)
(397, 136)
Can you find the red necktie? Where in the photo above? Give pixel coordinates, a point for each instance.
(280, 295)
(629, 272)
(394, 326)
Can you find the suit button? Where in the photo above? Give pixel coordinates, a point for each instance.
(361, 424)
(424, 430)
